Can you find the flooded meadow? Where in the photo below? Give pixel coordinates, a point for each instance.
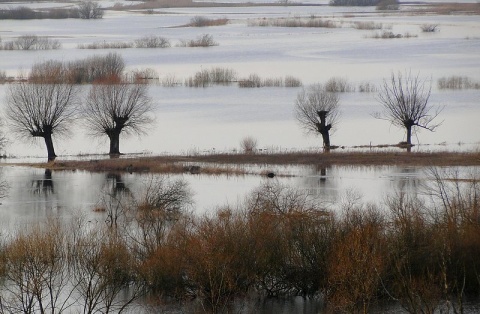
(351, 212)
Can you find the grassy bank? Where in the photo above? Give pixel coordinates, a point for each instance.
(232, 163)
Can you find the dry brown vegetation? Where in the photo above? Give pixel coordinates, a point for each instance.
(231, 163)
(279, 242)
(450, 8)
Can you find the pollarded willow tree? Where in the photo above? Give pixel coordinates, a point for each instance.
(111, 109)
(42, 110)
(317, 110)
(405, 103)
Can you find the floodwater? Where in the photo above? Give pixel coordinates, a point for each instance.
(217, 118)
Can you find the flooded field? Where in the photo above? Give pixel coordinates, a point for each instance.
(215, 118)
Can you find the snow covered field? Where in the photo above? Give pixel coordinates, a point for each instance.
(217, 118)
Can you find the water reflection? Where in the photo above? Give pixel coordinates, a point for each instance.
(43, 185)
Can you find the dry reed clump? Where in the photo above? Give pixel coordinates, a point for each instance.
(338, 85)
(201, 21)
(208, 77)
(106, 45)
(367, 87)
(151, 41)
(367, 25)
(254, 80)
(205, 40)
(457, 82)
(429, 28)
(31, 42)
(390, 35)
(279, 242)
(249, 144)
(451, 8)
(294, 22)
(25, 13)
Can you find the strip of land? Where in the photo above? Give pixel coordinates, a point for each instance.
(234, 163)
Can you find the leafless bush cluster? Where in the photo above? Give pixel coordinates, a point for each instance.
(141, 76)
(201, 21)
(25, 13)
(249, 144)
(338, 85)
(294, 22)
(254, 80)
(367, 25)
(106, 45)
(457, 82)
(89, 10)
(3, 76)
(216, 75)
(205, 40)
(31, 42)
(429, 28)
(91, 69)
(389, 35)
(152, 41)
(367, 87)
(388, 5)
(279, 242)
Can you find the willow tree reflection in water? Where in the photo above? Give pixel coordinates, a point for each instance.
(225, 224)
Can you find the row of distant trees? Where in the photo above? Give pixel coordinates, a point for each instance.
(50, 101)
(404, 99)
(84, 10)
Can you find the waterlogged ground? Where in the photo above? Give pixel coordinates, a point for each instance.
(217, 118)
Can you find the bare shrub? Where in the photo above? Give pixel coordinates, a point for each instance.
(36, 271)
(249, 144)
(219, 75)
(106, 45)
(358, 260)
(429, 28)
(367, 87)
(200, 79)
(201, 21)
(388, 5)
(96, 68)
(338, 85)
(253, 80)
(207, 77)
(102, 270)
(90, 10)
(367, 25)
(390, 35)
(3, 76)
(31, 42)
(25, 13)
(457, 82)
(170, 80)
(152, 41)
(291, 81)
(141, 76)
(312, 21)
(205, 40)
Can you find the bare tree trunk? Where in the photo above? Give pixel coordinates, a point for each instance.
(50, 149)
(324, 129)
(114, 136)
(409, 134)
